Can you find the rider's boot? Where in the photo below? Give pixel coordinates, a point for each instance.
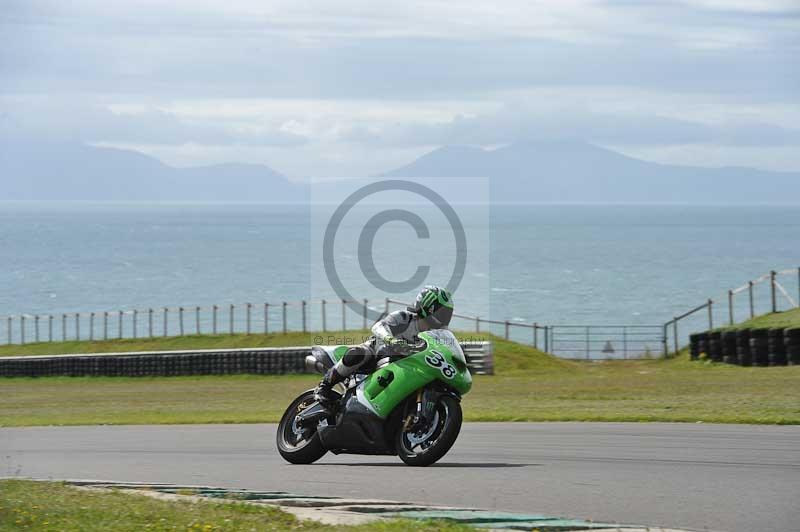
(324, 392)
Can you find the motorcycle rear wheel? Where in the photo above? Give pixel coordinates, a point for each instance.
(294, 450)
(417, 448)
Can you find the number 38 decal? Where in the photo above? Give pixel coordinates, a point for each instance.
(437, 360)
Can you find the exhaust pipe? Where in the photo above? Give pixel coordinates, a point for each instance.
(313, 365)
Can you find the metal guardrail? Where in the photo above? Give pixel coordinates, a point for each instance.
(260, 361)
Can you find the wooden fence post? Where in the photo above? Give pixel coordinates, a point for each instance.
(546, 338)
(248, 307)
(303, 312)
(266, 318)
(675, 334)
(730, 307)
(710, 315)
(284, 317)
(772, 291)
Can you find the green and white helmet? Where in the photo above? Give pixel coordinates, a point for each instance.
(434, 305)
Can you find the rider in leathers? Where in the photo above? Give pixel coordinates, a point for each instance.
(432, 309)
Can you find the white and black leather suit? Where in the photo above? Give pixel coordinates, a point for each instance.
(398, 325)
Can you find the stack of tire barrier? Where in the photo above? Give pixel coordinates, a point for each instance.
(743, 347)
(165, 364)
(259, 361)
(730, 351)
(748, 347)
(792, 343)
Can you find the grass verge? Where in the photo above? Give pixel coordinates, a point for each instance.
(28, 505)
(646, 390)
(529, 386)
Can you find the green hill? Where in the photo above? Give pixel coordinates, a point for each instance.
(785, 319)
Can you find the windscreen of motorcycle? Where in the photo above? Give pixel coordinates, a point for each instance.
(449, 340)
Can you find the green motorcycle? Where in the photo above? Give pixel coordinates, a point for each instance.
(409, 406)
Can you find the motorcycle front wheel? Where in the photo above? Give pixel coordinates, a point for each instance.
(295, 444)
(422, 446)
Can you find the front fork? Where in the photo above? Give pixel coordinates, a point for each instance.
(422, 413)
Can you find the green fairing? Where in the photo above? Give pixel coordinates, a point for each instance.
(412, 373)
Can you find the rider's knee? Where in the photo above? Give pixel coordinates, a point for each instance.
(355, 356)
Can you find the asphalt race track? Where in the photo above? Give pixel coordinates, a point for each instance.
(704, 477)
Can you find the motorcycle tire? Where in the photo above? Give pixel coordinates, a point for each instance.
(312, 449)
(448, 426)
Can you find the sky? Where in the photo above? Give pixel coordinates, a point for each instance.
(352, 88)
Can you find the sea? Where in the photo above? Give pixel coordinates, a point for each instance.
(549, 264)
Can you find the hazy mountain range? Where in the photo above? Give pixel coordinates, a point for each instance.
(580, 172)
(558, 171)
(73, 171)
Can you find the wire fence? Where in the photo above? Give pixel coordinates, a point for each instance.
(606, 341)
(769, 293)
(246, 318)
(299, 316)
(569, 341)
(772, 292)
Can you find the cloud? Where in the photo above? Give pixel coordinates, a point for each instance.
(356, 49)
(513, 123)
(325, 83)
(58, 120)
